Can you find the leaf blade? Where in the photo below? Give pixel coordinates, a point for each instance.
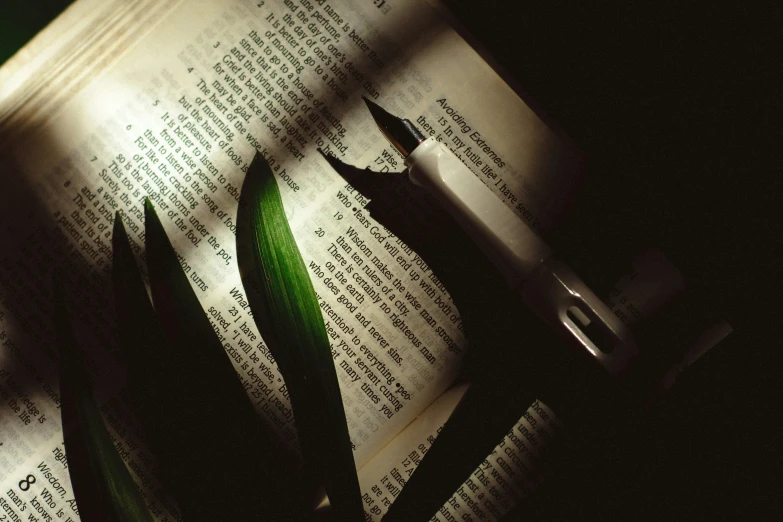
(103, 487)
(150, 369)
(286, 312)
(257, 469)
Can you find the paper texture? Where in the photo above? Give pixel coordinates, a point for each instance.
(171, 101)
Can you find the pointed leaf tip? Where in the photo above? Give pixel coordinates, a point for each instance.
(118, 231)
(190, 338)
(287, 313)
(258, 166)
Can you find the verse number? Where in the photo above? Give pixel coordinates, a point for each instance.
(25, 483)
(320, 232)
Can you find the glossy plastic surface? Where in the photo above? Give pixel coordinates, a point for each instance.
(510, 244)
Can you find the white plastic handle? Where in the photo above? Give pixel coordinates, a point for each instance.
(549, 287)
(509, 243)
(563, 300)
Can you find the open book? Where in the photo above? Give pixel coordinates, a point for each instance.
(117, 101)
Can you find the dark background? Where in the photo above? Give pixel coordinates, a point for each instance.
(20, 20)
(676, 109)
(675, 106)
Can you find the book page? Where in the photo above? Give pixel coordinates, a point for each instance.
(178, 119)
(386, 474)
(503, 479)
(517, 464)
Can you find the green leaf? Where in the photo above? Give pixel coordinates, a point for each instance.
(154, 376)
(103, 487)
(229, 467)
(286, 311)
